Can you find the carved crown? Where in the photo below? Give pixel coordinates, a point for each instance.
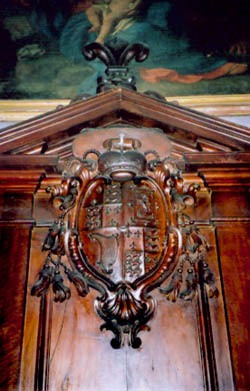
(122, 161)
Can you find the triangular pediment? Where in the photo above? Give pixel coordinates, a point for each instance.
(189, 131)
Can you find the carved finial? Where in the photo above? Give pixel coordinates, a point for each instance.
(116, 54)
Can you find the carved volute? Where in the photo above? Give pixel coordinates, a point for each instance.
(123, 230)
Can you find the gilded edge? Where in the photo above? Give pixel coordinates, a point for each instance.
(218, 105)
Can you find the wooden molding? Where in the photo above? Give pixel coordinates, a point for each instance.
(218, 105)
(23, 181)
(29, 162)
(194, 161)
(121, 105)
(21, 110)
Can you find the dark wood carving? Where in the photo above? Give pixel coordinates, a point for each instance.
(124, 232)
(116, 54)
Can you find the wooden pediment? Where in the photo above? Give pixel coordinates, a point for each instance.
(47, 354)
(189, 131)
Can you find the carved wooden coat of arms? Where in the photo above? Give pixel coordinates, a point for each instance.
(123, 229)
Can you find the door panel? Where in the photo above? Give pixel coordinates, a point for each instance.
(65, 350)
(82, 358)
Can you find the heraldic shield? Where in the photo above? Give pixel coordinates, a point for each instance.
(123, 229)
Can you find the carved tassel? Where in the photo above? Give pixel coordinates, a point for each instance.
(209, 281)
(42, 284)
(173, 289)
(54, 239)
(61, 291)
(191, 285)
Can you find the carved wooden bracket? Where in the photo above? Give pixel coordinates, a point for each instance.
(124, 230)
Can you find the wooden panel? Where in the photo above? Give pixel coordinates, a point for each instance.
(80, 356)
(213, 328)
(232, 203)
(83, 359)
(14, 244)
(234, 250)
(44, 211)
(16, 206)
(34, 319)
(74, 355)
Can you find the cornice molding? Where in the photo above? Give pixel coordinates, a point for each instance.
(220, 169)
(121, 105)
(46, 163)
(194, 161)
(20, 181)
(227, 177)
(218, 105)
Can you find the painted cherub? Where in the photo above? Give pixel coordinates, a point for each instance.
(106, 15)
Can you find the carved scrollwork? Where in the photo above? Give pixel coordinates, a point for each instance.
(125, 315)
(116, 54)
(124, 231)
(65, 193)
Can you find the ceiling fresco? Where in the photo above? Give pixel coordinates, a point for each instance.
(196, 48)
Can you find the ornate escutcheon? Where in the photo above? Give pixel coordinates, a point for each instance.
(123, 229)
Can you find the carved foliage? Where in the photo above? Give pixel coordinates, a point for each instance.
(124, 232)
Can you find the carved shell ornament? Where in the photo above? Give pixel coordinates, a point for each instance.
(123, 230)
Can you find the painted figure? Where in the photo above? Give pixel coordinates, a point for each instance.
(108, 17)
(148, 24)
(68, 25)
